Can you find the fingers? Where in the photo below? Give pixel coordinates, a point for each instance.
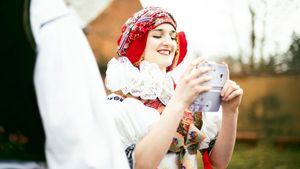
(196, 77)
(226, 87)
(202, 89)
(198, 86)
(230, 90)
(199, 71)
(234, 94)
(193, 64)
(202, 79)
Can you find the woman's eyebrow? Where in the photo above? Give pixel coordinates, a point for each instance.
(158, 30)
(162, 30)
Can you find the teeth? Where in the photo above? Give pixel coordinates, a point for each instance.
(164, 52)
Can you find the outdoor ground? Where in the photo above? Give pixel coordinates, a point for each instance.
(264, 156)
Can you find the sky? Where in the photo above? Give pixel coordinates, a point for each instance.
(216, 28)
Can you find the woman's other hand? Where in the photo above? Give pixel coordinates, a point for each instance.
(231, 95)
(190, 84)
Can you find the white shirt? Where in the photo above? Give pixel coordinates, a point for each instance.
(80, 132)
(134, 120)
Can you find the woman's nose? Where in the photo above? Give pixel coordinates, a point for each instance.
(167, 40)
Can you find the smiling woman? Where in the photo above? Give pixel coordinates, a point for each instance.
(161, 46)
(156, 128)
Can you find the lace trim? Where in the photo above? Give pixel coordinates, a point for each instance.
(148, 82)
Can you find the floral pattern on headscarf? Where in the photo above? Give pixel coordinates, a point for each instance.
(140, 24)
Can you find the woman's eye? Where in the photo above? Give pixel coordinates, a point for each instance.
(157, 36)
(173, 36)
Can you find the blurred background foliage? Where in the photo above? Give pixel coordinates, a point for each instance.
(268, 128)
(21, 131)
(285, 63)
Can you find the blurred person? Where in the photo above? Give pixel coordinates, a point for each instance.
(80, 133)
(21, 131)
(156, 128)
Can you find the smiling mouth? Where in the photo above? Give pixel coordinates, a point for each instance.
(164, 52)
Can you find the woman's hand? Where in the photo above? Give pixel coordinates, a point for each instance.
(154, 146)
(191, 83)
(231, 95)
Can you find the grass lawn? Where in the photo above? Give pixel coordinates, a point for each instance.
(265, 156)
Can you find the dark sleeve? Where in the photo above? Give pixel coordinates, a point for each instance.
(129, 153)
(211, 145)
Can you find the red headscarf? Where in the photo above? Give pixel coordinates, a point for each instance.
(132, 41)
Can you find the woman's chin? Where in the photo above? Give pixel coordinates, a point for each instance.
(166, 64)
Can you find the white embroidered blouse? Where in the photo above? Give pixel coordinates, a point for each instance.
(133, 119)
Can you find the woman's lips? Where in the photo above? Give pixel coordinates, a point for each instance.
(164, 52)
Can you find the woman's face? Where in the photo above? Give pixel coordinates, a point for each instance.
(161, 46)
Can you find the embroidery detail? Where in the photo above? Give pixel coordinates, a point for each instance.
(116, 98)
(188, 136)
(129, 153)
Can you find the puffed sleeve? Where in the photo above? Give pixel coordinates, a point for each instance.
(211, 127)
(133, 121)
